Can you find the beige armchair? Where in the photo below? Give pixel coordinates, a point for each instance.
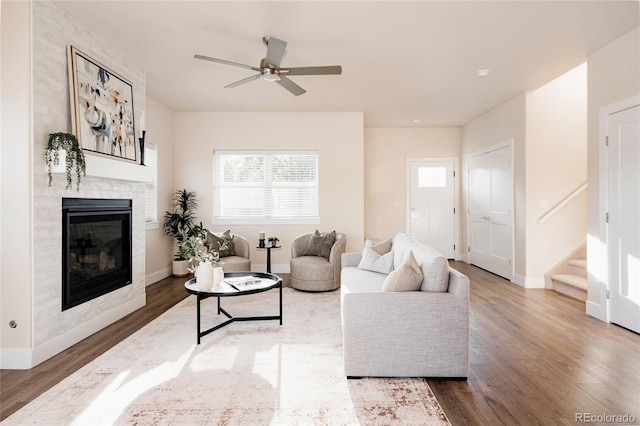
(313, 272)
(236, 258)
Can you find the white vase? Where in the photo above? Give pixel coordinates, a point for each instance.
(204, 276)
(218, 275)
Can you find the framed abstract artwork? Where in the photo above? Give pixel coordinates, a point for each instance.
(102, 108)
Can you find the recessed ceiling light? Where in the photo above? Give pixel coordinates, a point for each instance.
(482, 73)
(417, 120)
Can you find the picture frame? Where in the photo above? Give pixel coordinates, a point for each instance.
(102, 108)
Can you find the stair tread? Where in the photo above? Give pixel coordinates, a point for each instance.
(572, 280)
(582, 263)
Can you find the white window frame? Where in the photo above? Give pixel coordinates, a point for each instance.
(151, 187)
(263, 220)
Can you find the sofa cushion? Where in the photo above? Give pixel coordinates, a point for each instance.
(434, 266)
(373, 261)
(400, 248)
(407, 277)
(216, 240)
(320, 244)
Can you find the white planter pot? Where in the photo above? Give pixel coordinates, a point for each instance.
(180, 268)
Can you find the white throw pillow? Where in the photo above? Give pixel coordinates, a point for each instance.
(407, 277)
(381, 247)
(372, 261)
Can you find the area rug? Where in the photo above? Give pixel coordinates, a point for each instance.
(246, 373)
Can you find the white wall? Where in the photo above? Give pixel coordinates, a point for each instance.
(503, 123)
(337, 136)
(385, 161)
(556, 164)
(15, 185)
(613, 76)
(159, 247)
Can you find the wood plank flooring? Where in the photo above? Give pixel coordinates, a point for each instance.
(536, 358)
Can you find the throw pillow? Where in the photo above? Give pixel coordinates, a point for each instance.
(381, 247)
(407, 277)
(372, 261)
(217, 240)
(320, 244)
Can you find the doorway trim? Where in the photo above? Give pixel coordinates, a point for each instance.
(598, 251)
(456, 197)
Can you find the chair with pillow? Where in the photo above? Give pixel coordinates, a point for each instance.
(235, 256)
(316, 261)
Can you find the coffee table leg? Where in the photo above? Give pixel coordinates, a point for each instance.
(280, 302)
(198, 318)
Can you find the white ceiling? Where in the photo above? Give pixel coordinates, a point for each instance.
(401, 61)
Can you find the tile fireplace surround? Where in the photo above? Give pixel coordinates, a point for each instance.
(53, 329)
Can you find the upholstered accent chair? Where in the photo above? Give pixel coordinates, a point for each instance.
(315, 267)
(236, 257)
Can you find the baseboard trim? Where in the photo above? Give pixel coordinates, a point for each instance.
(15, 359)
(157, 276)
(70, 338)
(528, 282)
(597, 311)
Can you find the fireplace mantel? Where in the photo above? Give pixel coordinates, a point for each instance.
(111, 168)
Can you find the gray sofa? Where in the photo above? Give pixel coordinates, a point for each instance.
(409, 333)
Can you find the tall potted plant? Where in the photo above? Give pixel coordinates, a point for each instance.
(178, 223)
(65, 145)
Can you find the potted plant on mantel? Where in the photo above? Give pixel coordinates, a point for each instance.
(65, 145)
(178, 223)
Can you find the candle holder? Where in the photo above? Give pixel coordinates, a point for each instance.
(142, 148)
(261, 243)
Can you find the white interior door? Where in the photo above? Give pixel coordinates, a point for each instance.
(490, 207)
(624, 217)
(431, 204)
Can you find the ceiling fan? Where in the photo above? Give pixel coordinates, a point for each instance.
(270, 69)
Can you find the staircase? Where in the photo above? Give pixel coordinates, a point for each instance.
(570, 276)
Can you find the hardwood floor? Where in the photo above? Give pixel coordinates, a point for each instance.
(19, 387)
(536, 358)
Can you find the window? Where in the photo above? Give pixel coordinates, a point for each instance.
(151, 189)
(252, 187)
(432, 177)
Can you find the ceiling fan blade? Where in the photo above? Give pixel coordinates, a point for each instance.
(243, 81)
(222, 61)
(290, 86)
(275, 51)
(328, 70)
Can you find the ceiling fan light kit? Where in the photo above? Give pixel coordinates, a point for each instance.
(270, 70)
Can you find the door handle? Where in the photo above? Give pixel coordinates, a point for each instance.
(486, 217)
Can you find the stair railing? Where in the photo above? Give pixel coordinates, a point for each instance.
(553, 210)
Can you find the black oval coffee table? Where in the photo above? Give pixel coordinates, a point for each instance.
(235, 284)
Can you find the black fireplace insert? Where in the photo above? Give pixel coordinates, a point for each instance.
(96, 248)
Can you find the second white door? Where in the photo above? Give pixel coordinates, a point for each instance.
(490, 221)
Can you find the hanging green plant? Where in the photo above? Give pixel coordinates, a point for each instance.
(74, 157)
